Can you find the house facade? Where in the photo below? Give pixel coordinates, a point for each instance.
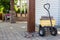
(54, 10)
(40, 11)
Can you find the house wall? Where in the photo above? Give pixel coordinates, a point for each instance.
(54, 10)
(59, 14)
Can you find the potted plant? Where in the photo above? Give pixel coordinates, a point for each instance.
(18, 13)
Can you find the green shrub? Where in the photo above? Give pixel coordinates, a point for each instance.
(18, 11)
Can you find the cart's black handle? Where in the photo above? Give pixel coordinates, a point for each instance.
(47, 5)
(47, 8)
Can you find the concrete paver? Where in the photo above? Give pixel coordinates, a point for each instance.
(16, 31)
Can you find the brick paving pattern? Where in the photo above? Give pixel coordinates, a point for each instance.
(15, 31)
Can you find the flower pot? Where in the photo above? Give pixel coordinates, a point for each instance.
(18, 15)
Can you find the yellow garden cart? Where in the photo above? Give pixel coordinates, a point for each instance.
(47, 23)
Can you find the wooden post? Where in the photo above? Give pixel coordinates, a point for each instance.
(31, 17)
(12, 12)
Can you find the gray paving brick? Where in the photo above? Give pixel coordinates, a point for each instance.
(16, 31)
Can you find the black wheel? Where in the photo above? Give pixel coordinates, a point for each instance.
(53, 31)
(40, 26)
(41, 32)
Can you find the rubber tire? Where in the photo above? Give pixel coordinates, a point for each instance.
(43, 32)
(40, 26)
(54, 30)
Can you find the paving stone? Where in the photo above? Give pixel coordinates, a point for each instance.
(17, 31)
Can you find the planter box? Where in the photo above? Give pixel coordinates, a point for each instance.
(22, 17)
(19, 15)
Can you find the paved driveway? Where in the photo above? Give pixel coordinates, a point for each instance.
(15, 31)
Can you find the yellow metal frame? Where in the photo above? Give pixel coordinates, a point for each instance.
(47, 23)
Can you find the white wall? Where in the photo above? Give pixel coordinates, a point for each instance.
(59, 14)
(40, 11)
